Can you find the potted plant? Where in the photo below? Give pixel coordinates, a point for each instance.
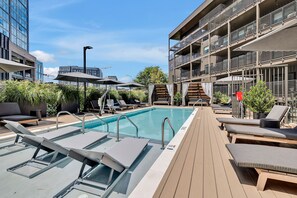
(259, 100)
(177, 98)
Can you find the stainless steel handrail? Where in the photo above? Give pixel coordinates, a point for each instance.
(92, 114)
(199, 100)
(118, 125)
(163, 131)
(65, 112)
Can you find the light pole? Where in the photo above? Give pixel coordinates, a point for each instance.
(85, 71)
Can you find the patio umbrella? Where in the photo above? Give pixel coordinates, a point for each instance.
(281, 39)
(131, 85)
(11, 66)
(233, 80)
(78, 77)
(108, 81)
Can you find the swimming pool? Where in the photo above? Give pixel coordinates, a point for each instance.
(148, 121)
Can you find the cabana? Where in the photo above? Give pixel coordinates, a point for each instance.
(161, 94)
(196, 93)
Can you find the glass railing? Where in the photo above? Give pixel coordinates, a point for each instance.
(243, 32)
(189, 39)
(230, 11)
(267, 57)
(278, 16)
(182, 60)
(196, 55)
(220, 43)
(210, 15)
(219, 67)
(246, 60)
(196, 72)
(185, 75)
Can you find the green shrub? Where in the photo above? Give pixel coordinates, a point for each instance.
(259, 98)
(178, 98)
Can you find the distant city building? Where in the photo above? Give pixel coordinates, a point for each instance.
(14, 37)
(39, 71)
(112, 77)
(90, 70)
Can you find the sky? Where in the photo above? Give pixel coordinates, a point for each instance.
(126, 36)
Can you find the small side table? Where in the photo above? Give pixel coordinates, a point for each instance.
(36, 113)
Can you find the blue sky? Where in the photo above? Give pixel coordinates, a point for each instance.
(126, 35)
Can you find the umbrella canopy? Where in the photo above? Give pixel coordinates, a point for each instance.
(108, 81)
(233, 80)
(77, 76)
(11, 66)
(281, 39)
(131, 85)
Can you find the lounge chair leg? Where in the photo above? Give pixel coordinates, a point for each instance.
(222, 126)
(82, 169)
(233, 141)
(262, 181)
(110, 176)
(36, 152)
(16, 139)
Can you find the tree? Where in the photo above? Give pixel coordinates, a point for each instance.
(151, 75)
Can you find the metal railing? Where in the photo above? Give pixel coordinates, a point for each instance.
(182, 60)
(118, 125)
(199, 100)
(239, 62)
(278, 16)
(65, 112)
(220, 43)
(219, 67)
(212, 14)
(100, 119)
(268, 57)
(243, 32)
(163, 131)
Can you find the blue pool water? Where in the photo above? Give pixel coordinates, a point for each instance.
(149, 122)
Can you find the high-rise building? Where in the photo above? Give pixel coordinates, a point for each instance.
(202, 47)
(90, 70)
(14, 36)
(39, 71)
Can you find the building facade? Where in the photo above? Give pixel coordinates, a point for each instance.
(39, 71)
(14, 35)
(90, 70)
(202, 47)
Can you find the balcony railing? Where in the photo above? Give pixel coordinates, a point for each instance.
(189, 39)
(267, 57)
(243, 32)
(213, 13)
(230, 11)
(220, 43)
(196, 55)
(182, 60)
(246, 60)
(219, 67)
(278, 16)
(185, 75)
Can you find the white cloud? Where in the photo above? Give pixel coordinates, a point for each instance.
(51, 71)
(43, 56)
(125, 79)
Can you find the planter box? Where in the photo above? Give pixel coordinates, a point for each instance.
(259, 115)
(26, 108)
(69, 106)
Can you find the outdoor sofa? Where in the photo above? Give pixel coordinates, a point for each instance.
(11, 111)
(277, 113)
(276, 163)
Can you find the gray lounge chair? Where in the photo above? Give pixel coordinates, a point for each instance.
(20, 131)
(56, 152)
(161, 101)
(288, 136)
(117, 159)
(122, 103)
(270, 162)
(277, 113)
(11, 111)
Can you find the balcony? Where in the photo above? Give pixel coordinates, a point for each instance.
(243, 32)
(246, 60)
(219, 67)
(269, 57)
(213, 13)
(278, 16)
(185, 75)
(230, 11)
(219, 44)
(189, 39)
(196, 55)
(197, 72)
(180, 60)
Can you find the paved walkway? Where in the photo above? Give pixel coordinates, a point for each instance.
(204, 167)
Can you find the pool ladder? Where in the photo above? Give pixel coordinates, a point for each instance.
(97, 117)
(118, 125)
(199, 100)
(163, 131)
(65, 112)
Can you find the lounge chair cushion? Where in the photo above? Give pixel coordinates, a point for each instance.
(18, 117)
(239, 121)
(264, 157)
(265, 132)
(17, 127)
(277, 112)
(61, 132)
(9, 108)
(93, 157)
(95, 104)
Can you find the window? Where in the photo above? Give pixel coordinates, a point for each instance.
(206, 50)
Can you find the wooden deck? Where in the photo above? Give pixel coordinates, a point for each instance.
(204, 168)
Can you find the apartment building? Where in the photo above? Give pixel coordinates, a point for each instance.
(203, 47)
(14, 37)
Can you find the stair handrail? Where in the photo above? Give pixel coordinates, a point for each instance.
(163, 131)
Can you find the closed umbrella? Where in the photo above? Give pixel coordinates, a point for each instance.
(77, 77)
